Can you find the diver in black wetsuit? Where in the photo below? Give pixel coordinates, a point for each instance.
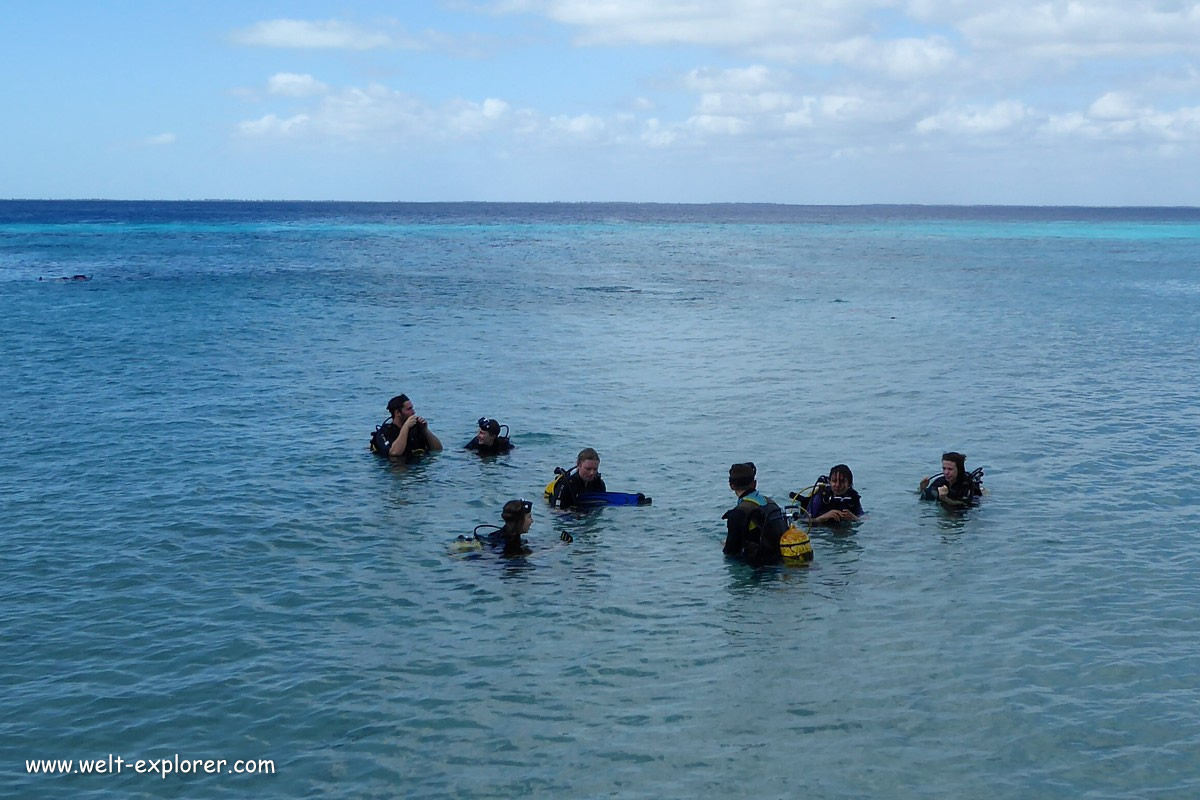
(834, 499)
(405, 434)
(955, 486)
(518, 517)
(489, 442)
(756, 524)
(584, 478)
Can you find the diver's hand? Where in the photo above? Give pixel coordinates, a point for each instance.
(566, 537)
(924, 484)
(943, 492)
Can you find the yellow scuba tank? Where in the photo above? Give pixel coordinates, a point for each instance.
(465, 545)
(548, 493)
(794, 544)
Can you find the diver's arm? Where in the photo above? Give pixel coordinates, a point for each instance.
(929, 491)
(433, 442)
(735, 524)
(944, 497)
(401, 444)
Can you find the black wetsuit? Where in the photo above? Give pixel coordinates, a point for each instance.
(964, 490)
(754, 529)
(825, 500)
(501, 445)
(385, 434)
(568, 489)
(507, 545)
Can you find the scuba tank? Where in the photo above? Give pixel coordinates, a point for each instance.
(794, 544)
(560, 474)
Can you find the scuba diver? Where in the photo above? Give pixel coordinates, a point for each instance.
(832, 498)
(506, 540)
(584, 478)
(955, 486)
(758, 530)
(489, 442)
(405, 434)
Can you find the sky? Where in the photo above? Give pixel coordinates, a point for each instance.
(1023, 102)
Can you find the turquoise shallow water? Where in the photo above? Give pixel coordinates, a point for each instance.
(202, 558)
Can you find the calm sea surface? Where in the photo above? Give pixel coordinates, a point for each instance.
(200, 557)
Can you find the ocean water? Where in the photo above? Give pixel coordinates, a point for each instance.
(201, 558)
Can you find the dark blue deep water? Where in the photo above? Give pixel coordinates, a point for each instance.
(200, 557)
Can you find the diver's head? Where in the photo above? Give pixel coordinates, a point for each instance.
(401, 408)
(517, 516)
(841, 479)
(954, 466)
(587, 464)
(743, 478)
(489, 429)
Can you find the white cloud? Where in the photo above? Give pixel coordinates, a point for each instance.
(379, 114)
(1132, 124)
(720, 125)
(782, 31)
(643, 104)
(704, 22)
(999, 117)
(1084, 28)
(839, 106)
(470, 119)
(800, 118)
(655, 134)
(903, 59)
(742, 103)
(271, 125)
(327, 34)
(160, 139)
(293, 85)
(1113, 105)
(584, 125)
(742, 79)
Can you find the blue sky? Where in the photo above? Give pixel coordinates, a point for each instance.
(1091, 102)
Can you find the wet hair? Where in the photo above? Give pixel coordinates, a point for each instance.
(587, 454)
(514, 511)
(489, 426)
(742, 476)
(397, 403)
(842, 469)
(959, 460)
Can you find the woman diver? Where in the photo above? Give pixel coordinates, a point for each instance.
(833, 499)
(955, 486)
(517, 516)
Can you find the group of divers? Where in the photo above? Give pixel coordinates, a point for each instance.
(759, 531)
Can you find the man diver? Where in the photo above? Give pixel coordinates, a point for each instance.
(405, 434)
(489, 442)
(583, 478)
(756, 524)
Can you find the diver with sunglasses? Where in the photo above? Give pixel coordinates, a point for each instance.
(517, 516)
(489, 442)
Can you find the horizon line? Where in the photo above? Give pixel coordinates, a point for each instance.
(594, 202)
